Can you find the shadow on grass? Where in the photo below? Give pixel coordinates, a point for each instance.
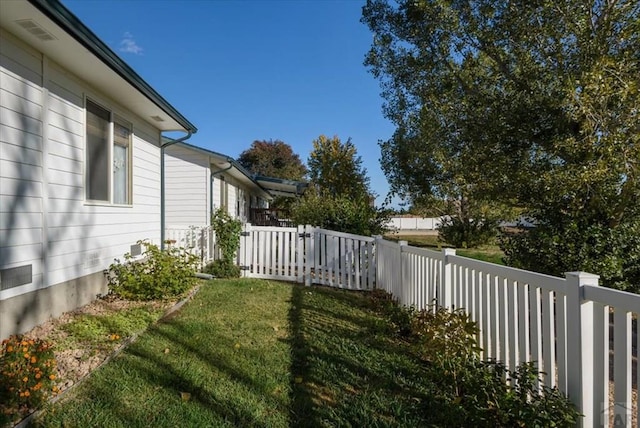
(302, 407)
(345, 371)
(335, 366)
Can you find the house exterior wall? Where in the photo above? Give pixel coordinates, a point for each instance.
(236, 192)
(45, 221)
(186, 187)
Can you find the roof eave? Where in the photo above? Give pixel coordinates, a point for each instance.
(62, 17)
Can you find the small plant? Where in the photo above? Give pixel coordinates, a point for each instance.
(222, 269)
(27, 375)
(477, 393)
(443, 334)
(227, 231)
(158, 275)
(381, 300)
(104, 331)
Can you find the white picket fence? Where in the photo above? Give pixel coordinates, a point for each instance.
(580, 334)
(308, 255)
(563, 324)
(199, 241)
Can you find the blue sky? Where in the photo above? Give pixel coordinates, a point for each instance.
(253, 70)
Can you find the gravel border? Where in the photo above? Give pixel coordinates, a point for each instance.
(28, 419)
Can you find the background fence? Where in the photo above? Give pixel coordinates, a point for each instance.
(582, 336)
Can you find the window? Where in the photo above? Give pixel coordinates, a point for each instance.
(108, 143)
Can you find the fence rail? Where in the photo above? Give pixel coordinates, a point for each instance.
(582, 336)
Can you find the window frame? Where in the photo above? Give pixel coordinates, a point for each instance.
(114, 118)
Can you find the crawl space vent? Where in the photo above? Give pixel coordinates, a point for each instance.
(13, 277)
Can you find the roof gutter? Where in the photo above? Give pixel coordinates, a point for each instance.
(162, 184)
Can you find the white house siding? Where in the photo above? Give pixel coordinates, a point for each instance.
(21, 154)
(186, 187)
(44, 219)
(234, 191)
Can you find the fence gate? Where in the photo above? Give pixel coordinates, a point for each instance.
(308, 255)
(272, 252)
(343, 260)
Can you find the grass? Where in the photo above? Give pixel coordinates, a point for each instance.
(256, 353)
(99, 331)
(486, 253)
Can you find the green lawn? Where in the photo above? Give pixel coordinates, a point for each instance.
(256, 353)
(487, 253)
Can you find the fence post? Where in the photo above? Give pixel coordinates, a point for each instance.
(580, 347)
(310, 252)
(447, 279)
(377, 277)
(245, 250)
(400, 264)
(300, 254)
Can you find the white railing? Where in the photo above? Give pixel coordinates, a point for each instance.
(272, 252)
(308, 255)
(562, 324)
(199, 241)
(582, 336)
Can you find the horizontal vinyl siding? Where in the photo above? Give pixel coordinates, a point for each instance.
(82, 238)
(186, 187)
(21, 157)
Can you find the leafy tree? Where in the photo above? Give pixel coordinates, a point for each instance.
(339, 198)
(528, 104)
(273, 159)
(339, 213)
(337, 170)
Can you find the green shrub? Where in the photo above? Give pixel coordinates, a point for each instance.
(467, 233)
(227, 231)
(222, 269)
(380, 300)
(464, 390)
(477, 393)
(570, 245)
(27, 375)
(442, 334)
(340, 213)
(157, 275)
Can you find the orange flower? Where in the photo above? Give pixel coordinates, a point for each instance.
(27, 356)
(33, 360)
(25, 379)
(27, 393)
(38, 375)
(52, 376)
(9, 348)
(54, 389)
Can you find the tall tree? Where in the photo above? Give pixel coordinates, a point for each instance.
(339, 198)
(336, 168)
(273, 159)
(533, 104)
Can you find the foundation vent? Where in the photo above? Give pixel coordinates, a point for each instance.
(32, 27)
(14, 277)
(136, 250)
